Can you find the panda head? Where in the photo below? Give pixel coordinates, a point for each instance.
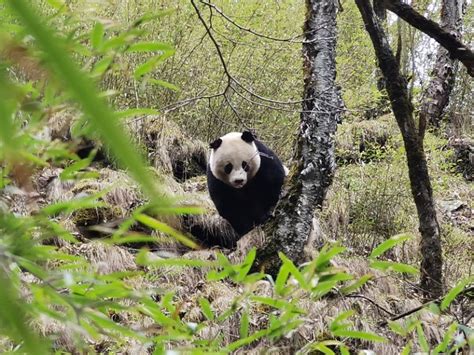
(234, 158)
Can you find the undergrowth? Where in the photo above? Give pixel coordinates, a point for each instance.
(62, 293)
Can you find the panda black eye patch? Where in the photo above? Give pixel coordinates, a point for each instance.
(228, 168)
(245, 166)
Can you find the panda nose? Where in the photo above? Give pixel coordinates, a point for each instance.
(238, 181)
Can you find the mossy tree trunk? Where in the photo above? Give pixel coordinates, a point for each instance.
(431, 265)
(292, 225)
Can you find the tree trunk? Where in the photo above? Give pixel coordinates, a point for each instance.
(292, 225)
(442, 78)
(431, 265)
(380, 11)
(456, 48)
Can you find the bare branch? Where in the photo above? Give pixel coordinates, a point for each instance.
(230, 77)
(456, 48)
(371, 301)
(437, 300)
(249, 30)
(209, 33)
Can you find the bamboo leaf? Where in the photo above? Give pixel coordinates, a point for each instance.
(246, 264)
(293, 270)
(244, 324)
(388, 244)
(422, 339)
(84, 91)
(389, 265)
(164, 84)
(447, 338)
(356, 284)
(151, 64)
(456, 290)
(206, 308)
(163, 227)
(97, 35)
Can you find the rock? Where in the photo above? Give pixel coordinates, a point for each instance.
(451, 206)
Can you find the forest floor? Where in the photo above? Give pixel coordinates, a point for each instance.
(369, 202)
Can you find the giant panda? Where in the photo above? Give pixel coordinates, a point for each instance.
(244, 178)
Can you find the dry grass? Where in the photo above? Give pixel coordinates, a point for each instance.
(168, 148)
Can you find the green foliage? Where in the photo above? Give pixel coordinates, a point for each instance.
(91, 61)
(455, 291)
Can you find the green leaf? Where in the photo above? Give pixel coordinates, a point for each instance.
(150, 47)
(206, 308)
(397, 328)
(389, 265)
(281, 279)
(244, 324)
(14, 320)
(355, 334)
(246, 265)
(456, 290)
(163, 227)
(7, 107)
(84, 91)
(97, 35)
(150, 65)
(323, 346)
(56, 4)
(245, 341)
(407, 349)
(109, 325)
(102, 66)
(326, 255)
(151, 308)
(344, 350)
(164, 84)
(340, 321)
(422, 339)
(152, 17)
(276, 303)
(70, 172)
(447, 338)
(389, 243)
(356, 284)
(72, 205)
(143, 259)
(115, 43)
(294, 271)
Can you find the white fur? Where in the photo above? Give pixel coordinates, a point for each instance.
(234, 150)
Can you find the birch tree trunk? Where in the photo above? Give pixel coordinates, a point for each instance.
(441, 84)
(292, 225)
(431, 264)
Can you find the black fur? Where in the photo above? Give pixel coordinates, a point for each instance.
(247, 136)
(251, 205)
(216, 144)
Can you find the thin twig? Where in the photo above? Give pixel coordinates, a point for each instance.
(249, 30)
(416, 309)
(373, 302)
(230, 77)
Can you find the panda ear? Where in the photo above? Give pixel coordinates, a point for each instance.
(216, 144)
(247, 136)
